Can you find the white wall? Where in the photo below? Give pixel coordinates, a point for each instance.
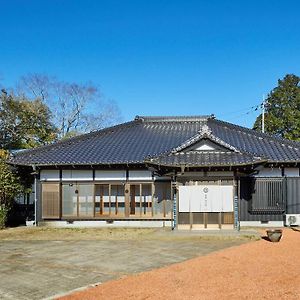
(77, 175)
(291, 172)
(110, 175)
(100, 175)
(203, 147)
(49, 175)
(276, 172)
(140, 175)
(269, 172)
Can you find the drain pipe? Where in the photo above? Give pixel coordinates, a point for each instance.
(175, 204)
(236, 206)
(35, 194)
(174, 209)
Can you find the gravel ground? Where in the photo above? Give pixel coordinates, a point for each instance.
(256, 270)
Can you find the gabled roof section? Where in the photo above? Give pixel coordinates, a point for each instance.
(204, 133)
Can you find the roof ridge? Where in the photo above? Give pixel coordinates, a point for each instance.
(198, 118)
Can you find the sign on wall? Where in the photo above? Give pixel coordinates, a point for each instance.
(202, 198)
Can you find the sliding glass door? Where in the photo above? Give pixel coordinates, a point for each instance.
(77, 200)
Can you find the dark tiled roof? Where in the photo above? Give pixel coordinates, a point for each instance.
(205, 159)
(133, 142)
(259, 144)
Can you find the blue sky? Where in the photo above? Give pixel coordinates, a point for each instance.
(157, 57)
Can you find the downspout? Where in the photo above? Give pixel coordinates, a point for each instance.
(174, 208)
(236, 203)
(175, 212)
(35, 194)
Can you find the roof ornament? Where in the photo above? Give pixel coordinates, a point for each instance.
(205, 130)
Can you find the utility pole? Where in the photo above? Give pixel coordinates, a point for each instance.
(263, 115)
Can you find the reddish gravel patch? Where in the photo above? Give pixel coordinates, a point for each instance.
(256, 270)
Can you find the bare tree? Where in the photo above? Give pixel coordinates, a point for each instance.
(107, 115)
(36, 86)
(73, 105)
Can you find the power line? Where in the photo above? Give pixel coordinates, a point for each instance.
(247, 110)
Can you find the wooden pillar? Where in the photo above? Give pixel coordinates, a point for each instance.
(132, 199)
(191, 220)
(205, 219)
(94, 201)
(127, 200)
(220, 220)
(152, 198)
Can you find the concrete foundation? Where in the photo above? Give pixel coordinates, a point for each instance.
(90, 224)
(261, 224)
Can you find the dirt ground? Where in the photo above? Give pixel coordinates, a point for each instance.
(39, 263)
(71, 234)
(256, 270)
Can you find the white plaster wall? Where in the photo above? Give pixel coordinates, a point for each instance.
(291, 172)
(77, 175)
(269, 172)
(49, 175)
(110, 175)
(204, 147)
(140, 175)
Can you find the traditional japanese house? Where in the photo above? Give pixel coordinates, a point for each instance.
(185, 172)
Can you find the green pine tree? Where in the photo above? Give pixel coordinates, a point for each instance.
(282, 110)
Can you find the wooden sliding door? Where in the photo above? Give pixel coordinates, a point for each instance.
(50, 201)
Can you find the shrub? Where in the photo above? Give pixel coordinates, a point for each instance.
(10, 187)
(3, 216)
